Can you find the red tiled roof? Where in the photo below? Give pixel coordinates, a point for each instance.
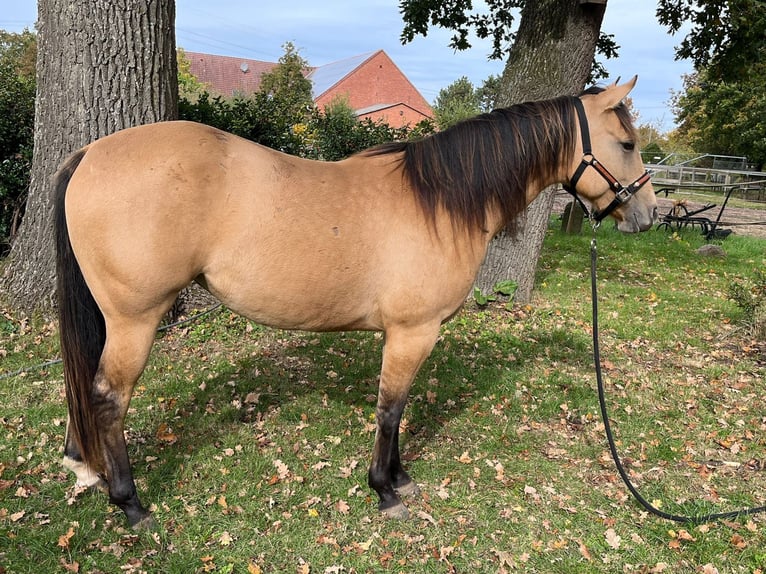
(372, 82)
(227, 75)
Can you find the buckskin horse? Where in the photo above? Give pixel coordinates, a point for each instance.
(389, 239)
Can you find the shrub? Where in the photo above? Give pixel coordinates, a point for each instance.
(750, 297)
(17, 116)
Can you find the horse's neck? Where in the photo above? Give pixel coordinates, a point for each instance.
(495, 220)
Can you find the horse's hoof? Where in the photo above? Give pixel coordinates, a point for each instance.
(145, 524)
(408, 489)
(397, 512)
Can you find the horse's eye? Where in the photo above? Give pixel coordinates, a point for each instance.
(628, 146)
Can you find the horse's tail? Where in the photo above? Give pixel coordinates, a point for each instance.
(81, 326)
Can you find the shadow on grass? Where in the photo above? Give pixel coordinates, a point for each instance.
(477, 357)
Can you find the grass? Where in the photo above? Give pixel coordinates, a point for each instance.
(252, 445)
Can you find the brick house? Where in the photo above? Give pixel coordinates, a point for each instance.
(374, 86)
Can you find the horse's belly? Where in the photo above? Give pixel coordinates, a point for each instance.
(299, 298)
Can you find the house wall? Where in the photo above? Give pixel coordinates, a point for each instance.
(380, 81)
(397, 116)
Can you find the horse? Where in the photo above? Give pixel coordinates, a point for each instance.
(389, 239)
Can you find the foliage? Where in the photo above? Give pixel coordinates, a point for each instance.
(496, 22)
(17, 110)
(725, 117)
(750, 297)
(189, 86)
(504, 288)
(489, 93)
(461, 100)
(21, 50)
(287, 85)
(336, 132)
(252, 444)
(725, 38)
(722, 107)
(457, 102)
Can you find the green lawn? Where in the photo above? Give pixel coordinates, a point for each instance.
(252, 445)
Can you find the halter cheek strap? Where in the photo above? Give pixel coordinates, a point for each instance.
(622, 194)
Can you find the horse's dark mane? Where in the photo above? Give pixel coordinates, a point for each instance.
(488, 160)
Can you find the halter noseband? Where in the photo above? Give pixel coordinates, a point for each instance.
(622, 194)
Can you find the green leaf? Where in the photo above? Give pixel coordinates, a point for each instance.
(480, 298)
(507, 288)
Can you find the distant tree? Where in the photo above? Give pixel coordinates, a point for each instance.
(457, 102)
(287, 83)
(189, 86)
(652, 153)
(726, 36)
(20, 51)
(93, 78)
(722, 105)
(489, 93)
(725, 117)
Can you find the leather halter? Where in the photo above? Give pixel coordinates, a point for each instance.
(622, 194)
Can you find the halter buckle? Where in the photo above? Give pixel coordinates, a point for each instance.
(623, 194)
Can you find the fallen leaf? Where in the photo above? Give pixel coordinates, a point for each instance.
(166, 434)
(342, 507)
(612, 538)
(422, 514)
(282, 470)
(16, 516)
(738, 542)
(70, 566)
(584, 552)
(465, 458)
(225, 539)
(65, 538)
(254, 569)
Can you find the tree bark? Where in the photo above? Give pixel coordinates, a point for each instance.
(102, 66)
(551, 56)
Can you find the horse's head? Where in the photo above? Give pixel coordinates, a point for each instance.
(608, 170)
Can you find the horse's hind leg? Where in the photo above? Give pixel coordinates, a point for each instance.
(124, 357)
(403, 354)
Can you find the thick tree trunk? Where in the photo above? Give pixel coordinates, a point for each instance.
(551, 56)
(102, 66)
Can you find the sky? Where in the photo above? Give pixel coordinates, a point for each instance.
(333, 30)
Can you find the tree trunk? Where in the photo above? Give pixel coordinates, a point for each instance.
(101, 67)
(551, 56)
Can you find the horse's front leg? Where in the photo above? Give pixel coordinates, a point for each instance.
(403, 354)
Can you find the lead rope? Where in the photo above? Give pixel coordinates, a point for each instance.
(607, 427)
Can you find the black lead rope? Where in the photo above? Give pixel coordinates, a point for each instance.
(608, 430)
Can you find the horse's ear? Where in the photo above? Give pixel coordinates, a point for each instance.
(614, 94)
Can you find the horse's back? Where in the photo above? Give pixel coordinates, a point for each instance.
(286, 241)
